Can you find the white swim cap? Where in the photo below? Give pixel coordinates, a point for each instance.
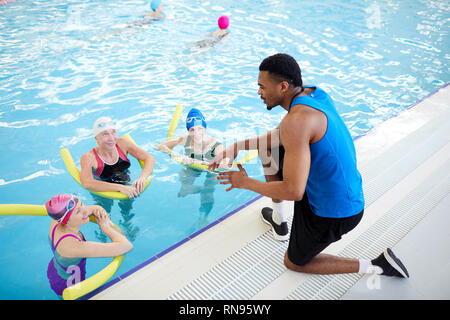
(102, 124)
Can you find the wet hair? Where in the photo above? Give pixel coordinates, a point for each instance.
(284, 67)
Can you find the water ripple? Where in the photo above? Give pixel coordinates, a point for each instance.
(371, 62)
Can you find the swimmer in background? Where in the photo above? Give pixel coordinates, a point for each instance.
(155, 14)
(215, 36)
(149, 17)
(105, 167)
(192, 50)
(199, 148)
(69, 246)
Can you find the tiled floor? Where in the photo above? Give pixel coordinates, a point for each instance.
(425, 253)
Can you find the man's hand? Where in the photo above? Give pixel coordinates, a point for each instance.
(235, 178)
(224, 159)
(226, 164)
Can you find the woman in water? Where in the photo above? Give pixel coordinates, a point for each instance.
(199, 148)
(70, 248)
(105, 167)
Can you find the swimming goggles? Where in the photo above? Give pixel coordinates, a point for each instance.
(190, 119)
(69, 207)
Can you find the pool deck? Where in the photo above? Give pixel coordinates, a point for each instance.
(405, 164)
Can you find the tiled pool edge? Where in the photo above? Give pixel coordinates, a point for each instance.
(166, 251)
(432, 93)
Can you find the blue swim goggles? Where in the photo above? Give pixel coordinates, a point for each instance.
(190, 119)
(196, 120)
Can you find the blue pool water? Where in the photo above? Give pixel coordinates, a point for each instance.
(63, 65)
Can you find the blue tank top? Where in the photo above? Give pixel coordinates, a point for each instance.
(334, 186)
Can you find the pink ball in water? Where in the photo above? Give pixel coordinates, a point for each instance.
(223, 22)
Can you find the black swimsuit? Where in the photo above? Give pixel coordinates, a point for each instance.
(208, 156)
(116, 173)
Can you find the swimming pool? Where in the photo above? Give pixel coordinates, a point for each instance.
(374, 58)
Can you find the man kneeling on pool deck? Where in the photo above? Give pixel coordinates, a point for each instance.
(105, 167)
(70, 248)
(199, 148)
(316, 168)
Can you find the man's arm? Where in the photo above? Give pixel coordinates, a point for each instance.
(295, 135)
(269, 140)
(261, 143)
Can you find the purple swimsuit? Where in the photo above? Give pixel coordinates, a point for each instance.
(64, 272)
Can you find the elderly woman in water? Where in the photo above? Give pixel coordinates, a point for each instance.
(105, 167)
(199, 148)
(70, 248)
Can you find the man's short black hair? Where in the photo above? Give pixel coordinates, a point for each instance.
(284, 67)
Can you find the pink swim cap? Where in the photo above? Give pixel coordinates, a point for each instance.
(223, 22)
(61, 206)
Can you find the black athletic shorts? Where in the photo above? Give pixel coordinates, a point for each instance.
(310, 233)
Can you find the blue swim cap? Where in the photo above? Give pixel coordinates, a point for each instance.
(195, 118)
(155, 4)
